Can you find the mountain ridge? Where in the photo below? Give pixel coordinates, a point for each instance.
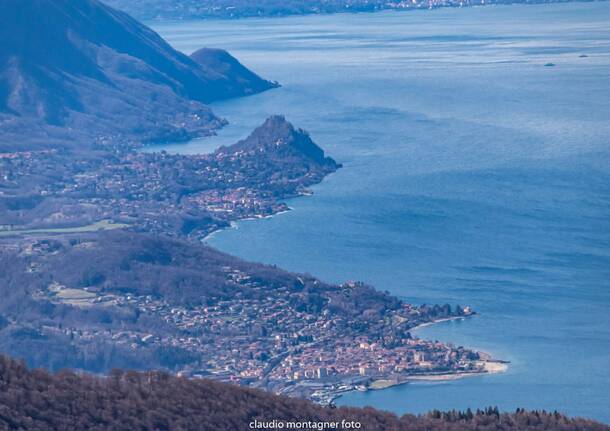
(278, 136)
(77, 71)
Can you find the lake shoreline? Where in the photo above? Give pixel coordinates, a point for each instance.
(489, 365)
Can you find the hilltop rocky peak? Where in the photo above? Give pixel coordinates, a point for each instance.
(278, 136)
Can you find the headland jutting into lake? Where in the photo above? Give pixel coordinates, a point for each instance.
(101, 259)
(473, 174)
(145, 292)
(186, 307)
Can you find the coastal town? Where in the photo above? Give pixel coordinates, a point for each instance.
(265, 342)
(147, 293)
(160, 192)
(458, 208)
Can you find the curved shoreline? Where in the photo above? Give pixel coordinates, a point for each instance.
(491, 366)
(234, 224)
(487, 362)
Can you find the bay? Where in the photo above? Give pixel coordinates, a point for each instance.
(475, 173)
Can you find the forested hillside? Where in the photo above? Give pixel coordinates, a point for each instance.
(37, 400)
(80, 71)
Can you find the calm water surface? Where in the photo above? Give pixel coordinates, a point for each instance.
(473, 174)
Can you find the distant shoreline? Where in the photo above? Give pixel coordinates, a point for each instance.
(152, 17)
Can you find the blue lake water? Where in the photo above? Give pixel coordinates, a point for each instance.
(473, 174)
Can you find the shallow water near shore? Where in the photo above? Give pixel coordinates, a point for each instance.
(473, 174)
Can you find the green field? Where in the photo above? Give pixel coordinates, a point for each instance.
(94, 227)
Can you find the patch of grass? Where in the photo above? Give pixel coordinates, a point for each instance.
(94, 227)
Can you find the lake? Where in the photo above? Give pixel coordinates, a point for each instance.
(475, 145)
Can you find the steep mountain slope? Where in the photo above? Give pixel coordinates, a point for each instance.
(241, 80)
(74, 69)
